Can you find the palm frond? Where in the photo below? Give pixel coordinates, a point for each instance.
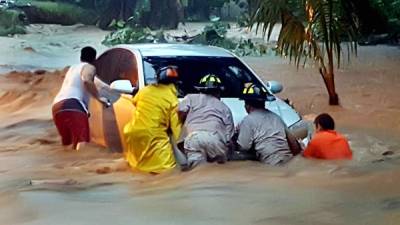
(268, 15)
(325, 26)
(335, 23)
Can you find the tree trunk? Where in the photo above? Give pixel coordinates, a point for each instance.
(163, 14)
(330, 85)
(329, 80)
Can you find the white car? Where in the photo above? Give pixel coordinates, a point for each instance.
(124, 69)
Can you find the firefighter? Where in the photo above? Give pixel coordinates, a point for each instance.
(208, 123)
(263, 132)
(154, 122)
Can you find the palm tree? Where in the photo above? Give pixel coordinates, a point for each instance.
(315, 29)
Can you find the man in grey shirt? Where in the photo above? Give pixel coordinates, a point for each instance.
(263, 131)
(208, 124)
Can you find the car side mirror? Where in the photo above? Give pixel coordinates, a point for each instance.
(122, 86)
(274, 87)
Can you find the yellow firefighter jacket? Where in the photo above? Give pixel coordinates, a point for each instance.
(147, 135)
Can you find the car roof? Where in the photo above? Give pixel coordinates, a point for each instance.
(177, 50)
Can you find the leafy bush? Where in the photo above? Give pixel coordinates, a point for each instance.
(393, 14)
(386, 16)
(126, 34)
(213, 34)
(220, 27)
(390, 8)
(58, 12)
(244, 20)
(11, 23)
(249, 48)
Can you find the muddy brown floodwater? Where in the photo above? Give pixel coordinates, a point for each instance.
(40, 183)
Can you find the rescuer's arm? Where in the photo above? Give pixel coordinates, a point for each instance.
(87, 75)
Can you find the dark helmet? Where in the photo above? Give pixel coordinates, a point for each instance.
(253, 92)
(167, 75)
(210, 82)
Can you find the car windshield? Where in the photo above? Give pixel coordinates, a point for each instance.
(233, 74)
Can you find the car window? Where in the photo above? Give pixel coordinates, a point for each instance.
(233, 74)
(116, 64)
(150, 72)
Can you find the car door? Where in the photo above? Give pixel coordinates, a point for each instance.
(107, 124)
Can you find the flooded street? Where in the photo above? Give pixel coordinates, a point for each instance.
(40, 183)
(236, 193)
(47, 46)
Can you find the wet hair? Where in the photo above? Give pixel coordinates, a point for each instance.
(325, 121)
(88, 54)
(255, 104)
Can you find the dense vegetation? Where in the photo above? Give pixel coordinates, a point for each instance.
(63, 13)
(389, 11)
(318, 30)
(376, 16)
(311, 29)
(11, 22)
(213, 34)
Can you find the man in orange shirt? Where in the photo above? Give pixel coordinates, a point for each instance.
(327, 143)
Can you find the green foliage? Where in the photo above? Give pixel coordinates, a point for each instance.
(320, 28)
(10, 23)
(220, 28)
(317, 32)
(248, 9)
(249, 48)
(126, 34)
(110, 10)
(391, 10)
(58, 12)
(215, 35)
(100, 12)
(244, 20)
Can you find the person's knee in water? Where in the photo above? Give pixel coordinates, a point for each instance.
(262, 134)
(208, 123)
